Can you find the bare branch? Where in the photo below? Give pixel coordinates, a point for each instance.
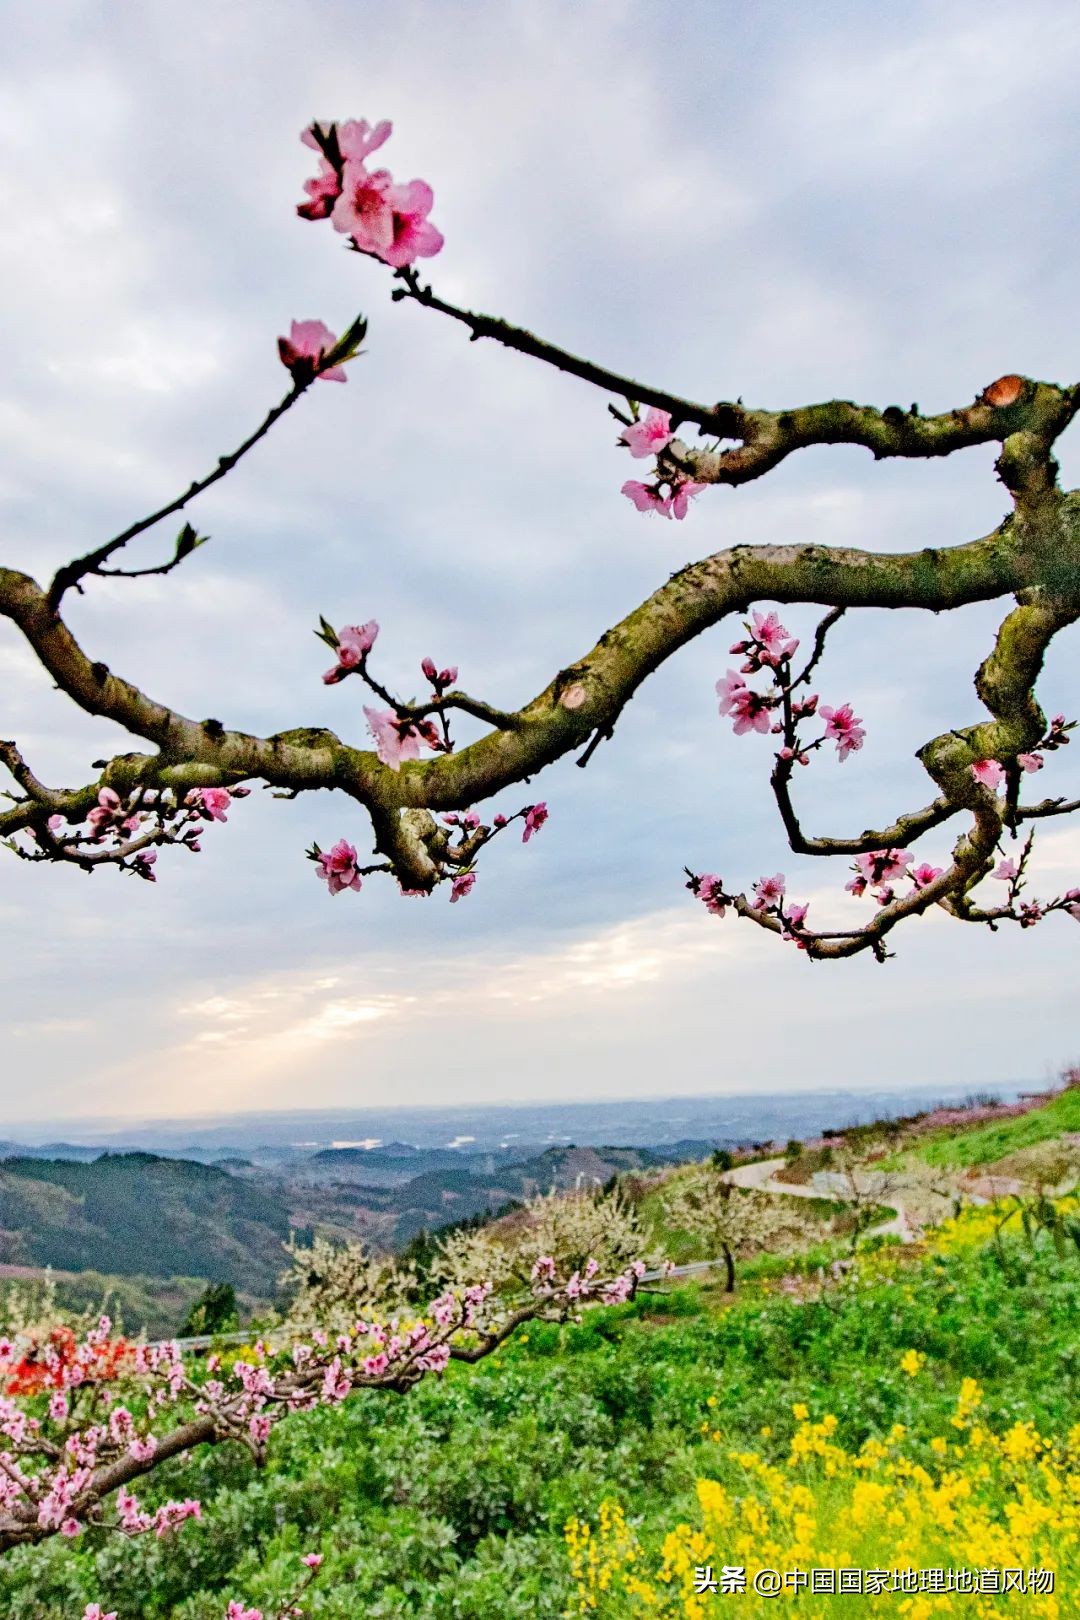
(71, 573)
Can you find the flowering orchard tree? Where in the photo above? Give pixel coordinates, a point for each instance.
(732, 1222)
(421, 792)
(78, 1437)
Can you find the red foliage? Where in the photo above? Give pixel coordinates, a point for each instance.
(45, 1365)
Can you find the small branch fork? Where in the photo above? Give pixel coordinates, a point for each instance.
(73, 573)
(1033, 555)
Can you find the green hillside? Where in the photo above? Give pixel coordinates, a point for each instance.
(987, 1143)
(135, 1213)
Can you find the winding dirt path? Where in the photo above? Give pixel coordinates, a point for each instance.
(826, 1184)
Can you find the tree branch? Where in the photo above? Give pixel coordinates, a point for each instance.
(71, 573)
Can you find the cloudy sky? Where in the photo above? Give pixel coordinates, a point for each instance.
(776, 202)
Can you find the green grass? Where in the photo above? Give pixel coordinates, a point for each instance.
(988, 1143)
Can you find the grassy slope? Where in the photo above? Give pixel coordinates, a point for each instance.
(988, 1143)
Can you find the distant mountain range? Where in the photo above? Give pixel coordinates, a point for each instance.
(140, 1214)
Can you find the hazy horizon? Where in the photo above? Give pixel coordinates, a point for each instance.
(90, 1130)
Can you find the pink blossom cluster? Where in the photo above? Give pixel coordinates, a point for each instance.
(651, 437)
(387, 220)
(1027, 913)
(439, 678)
(880, 869)
(126, 832)
(768, 645)
(398, 731)
(991, 773)
(51, 1465)
(339, 866)
(769, 900)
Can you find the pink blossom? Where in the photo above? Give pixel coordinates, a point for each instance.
(794, 920)
(415, 237)
(439, 678)
(535, 816)
(618, 1291)
(363, 209)
(775, 642)
(924, 874)
(1030, 762)
(172, 1514)
(144, 863)
(649, 437)
(645, 498)
(750, 709)
(375, 1366)
(728, 689)
(213, 802)
(357, 139)
(322, 191)
(312, 1560)
(1006, 871)
(1031, 912)
(303, 351)
(710, 891)
(94, 1611)
(104, 812)
(683, 491)
(237, 1611)
(880, 866)
(354, 642)
(769, 891)
(845, 726)
(397, 739)
(387, 220)
(337, 866)
(989, 773)
(461, 886)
